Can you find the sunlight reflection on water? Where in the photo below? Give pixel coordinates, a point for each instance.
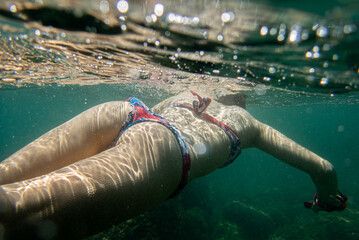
(172, 45)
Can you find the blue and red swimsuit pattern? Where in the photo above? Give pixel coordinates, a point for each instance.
(141, 113)
(199, 106)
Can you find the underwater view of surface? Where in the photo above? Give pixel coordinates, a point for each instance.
(297, 63)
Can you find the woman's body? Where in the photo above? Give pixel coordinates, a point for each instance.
(70, 180)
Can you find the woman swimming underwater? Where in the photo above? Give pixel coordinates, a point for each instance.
(119, 159)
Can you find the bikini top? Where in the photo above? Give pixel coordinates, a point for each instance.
(198, 108)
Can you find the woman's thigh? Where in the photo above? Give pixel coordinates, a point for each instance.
(83, 136)
(143, 170)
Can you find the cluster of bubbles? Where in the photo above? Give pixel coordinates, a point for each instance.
(281, 32)
(297, 33)
(159, 13)
(170, 17)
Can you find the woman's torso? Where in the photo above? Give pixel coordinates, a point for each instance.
(209, 145)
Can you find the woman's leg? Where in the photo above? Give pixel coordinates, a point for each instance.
(97, 192)
(83, 136)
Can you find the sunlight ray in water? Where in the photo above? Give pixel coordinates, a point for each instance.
(292, 64)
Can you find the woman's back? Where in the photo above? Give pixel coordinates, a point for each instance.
(208, 143)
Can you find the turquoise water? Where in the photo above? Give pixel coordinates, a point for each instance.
(255, 192)
(50, 74)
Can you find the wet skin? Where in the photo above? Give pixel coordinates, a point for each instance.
(69, 178)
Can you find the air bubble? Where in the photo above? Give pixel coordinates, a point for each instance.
(322, 31)
(159, 9)
(13, 8)
(37, 32)
(305, 35)
(324, 81)
(227, 17)
(273, 31)
(267, 79)
(195, 21)
(294, 36)
(122, 6)
(123, 27)
(280, 37)
(104, 6)
(264, 30)
(326, 47)
(349, 28)
(205, 35)
(220, 37)
(272, 70)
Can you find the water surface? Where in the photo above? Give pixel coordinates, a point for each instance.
(297, 63)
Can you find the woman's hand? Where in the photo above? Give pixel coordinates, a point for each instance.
(337, 203)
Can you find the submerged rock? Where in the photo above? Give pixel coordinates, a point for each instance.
(226, 230)
(255, 223)
(328, 226)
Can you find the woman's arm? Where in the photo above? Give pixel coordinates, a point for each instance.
(83, 136)
(320, 170)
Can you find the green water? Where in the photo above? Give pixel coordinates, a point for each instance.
(50, 74)
(257, 197)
